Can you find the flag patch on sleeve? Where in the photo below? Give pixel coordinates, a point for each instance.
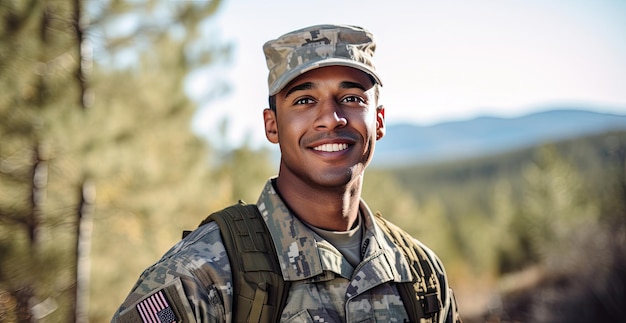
(156, 309)
(165, 305)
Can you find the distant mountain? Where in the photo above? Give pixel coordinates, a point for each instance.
(406, 144)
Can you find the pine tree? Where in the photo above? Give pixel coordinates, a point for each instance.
(555, 205)
(85, 137)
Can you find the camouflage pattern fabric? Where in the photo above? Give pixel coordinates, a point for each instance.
(324, 286)
(198, 264)
(308, 48)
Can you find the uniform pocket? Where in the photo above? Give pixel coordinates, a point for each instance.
(302, 316)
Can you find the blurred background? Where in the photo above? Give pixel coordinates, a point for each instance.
(123, 123)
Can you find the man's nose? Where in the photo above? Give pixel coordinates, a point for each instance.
(330, 115)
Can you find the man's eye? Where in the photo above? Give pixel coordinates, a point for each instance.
(304, 101)
(353, 99)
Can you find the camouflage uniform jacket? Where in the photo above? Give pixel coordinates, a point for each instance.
(324, 286)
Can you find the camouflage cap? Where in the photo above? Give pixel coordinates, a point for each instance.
(309, 48)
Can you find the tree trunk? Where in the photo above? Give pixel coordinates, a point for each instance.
(38, 196)
(84, 229)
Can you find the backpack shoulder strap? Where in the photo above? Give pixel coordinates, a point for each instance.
(260, 293)
(422, 296)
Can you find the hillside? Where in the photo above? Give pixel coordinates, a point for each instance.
(533, 217)
(591, 154)
(406, 144)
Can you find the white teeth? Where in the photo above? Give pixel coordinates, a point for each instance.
(331, 147)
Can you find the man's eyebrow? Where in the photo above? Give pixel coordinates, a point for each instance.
(352, 85)
(300, 87)
(310, 85)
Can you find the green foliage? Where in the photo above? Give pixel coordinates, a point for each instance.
(554, 204)
(37, 56)
(120, 119)
(83, 99)
(496, 215)
(247, 171)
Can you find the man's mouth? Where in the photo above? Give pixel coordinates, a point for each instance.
(331, 147)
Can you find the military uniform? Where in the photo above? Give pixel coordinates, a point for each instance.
(324, 286)
(328, 282)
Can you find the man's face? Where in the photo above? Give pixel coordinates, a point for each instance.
(326, 123)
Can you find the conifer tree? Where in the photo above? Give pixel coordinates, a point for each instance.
(555, 204)
(85, 137)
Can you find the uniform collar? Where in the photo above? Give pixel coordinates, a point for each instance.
(299, 256)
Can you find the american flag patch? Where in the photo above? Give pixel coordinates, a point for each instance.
(156, 309)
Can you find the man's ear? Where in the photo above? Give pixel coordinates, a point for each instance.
(271, 128)
(380, 122)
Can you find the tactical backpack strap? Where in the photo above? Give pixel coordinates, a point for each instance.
(259, 292)
(422, 296)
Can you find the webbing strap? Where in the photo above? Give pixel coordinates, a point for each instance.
(260, 298)
(260, 293)
(421, 297)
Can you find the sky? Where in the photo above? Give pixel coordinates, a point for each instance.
(439, 60)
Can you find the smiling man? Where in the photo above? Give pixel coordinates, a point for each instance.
(310, 250)
(326, 122)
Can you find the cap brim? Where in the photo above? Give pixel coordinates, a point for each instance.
(289, 76)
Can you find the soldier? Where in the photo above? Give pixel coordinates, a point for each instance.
(337, 259)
